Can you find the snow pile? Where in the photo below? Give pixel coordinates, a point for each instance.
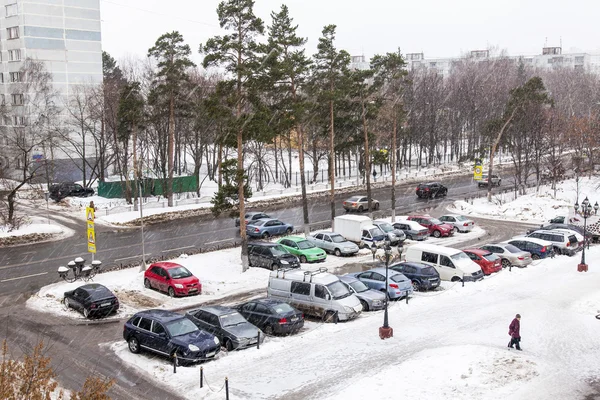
(31, 229)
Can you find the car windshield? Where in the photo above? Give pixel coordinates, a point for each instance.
(491, 257)
(513, 248)
(179, 272)
(358, 286)
(279, 250)
(376, 232)
(180, 327)
(257, 222)
(460, 256)
(398, 278)
(99, 292)
(354, 198)
(337, 238)
(338, 290)
(231, 319)
(435, 221)
(386, 227)
(283, 308)
(304, 244)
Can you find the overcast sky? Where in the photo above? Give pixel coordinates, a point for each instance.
(438, 28)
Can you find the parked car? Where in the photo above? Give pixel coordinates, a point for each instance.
(397, 286)
(92, 300)
(271, 256)
(394, 236)
(227, 324)
(509, 254)
(422, 276)
(61, 190)
(303, 249)
(371, 300)
(272, 316)
(252, 216)
(431, 190)
(436, 227)
(571, 227)
(265, 228)
(563, 240)
(168, 333)
(488, 261)
(538, 248)
(453, 265)
(172, 278)
(360, 230)
(412, 229)
(334, 243)
(558, 220)
(359, 203)
(496, 180)
(460, 223)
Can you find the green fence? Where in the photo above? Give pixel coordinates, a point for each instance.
(150, 187)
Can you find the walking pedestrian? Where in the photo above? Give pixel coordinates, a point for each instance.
(514, 330)
(375, 175)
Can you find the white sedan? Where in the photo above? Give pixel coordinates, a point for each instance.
(334, 243)
(459, 222)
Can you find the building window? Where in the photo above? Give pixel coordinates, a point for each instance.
(1, 77)
(15, 77)
(14, 55)
(2, 100)
(13, 32)
(17, 99)
(579, 59)
(18, 120)
(11, 9)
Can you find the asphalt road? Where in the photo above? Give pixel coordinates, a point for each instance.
(24, 269)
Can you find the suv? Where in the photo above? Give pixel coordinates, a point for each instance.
(538, 248)
(496, 180)
(436, 227)
(271, 256)
(431, 190)
(422, 276)
(61, 190)
(563, 240)
(168, 334)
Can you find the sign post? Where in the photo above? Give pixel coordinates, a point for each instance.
(91, 234)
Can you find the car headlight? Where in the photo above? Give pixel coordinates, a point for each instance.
(216, 340)
(283, 262)
(376, 302)
(193, 347)
(348, 309)
(178, 286)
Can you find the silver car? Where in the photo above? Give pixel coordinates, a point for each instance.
(371, 300)
(459, 222)
(359, 203)
(394, 235)
(510, 255)
(412, 229)
(334, 243)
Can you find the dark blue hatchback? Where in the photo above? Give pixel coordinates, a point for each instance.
(168, 333)
(422, 276)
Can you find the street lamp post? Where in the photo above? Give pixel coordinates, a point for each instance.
(586, 212)
(386, 332)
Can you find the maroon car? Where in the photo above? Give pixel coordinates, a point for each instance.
(171, 278)
(436, 227)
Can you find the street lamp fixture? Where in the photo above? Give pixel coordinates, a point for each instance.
(386, 332)
(586, 212)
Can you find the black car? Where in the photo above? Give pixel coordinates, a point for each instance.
(252, 216)
(232, 329)
(168, 333)
(272, 316)
(558, 220)
(271, 256)
(93, 300)
(431, 190)
(61, 190)
(422, 276)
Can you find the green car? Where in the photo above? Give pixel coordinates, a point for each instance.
(305, 250)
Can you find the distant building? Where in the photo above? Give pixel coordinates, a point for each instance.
(359, 62)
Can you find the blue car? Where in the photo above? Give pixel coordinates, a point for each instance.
(538, 248)
(265, 228)
(398, 285)
(168, 333)
(422, 276)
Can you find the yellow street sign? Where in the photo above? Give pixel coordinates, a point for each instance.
(90, 224)
(478, 173)
(91, 235)
(91, 248)
(89, 213)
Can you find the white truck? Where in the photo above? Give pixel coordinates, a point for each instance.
(360, 230)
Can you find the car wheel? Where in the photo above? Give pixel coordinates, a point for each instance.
(329, 316)
(437, 234)
(265, 235)
(415, 286)
(288, 231)
(171, 292)
(455, 230)
(557, 251)
(337, 252)
(67, 304)
(386, 293)
(535, 257)
(505, 263)
(269, 330)
(147, 283)
(303, 259)
(134, 345)
(445, 193)
(365, 305)
(273, 267)
(499, 181)
(455, 279)
(228, 345)
(376, 206)
(360, 209)
(86, 312)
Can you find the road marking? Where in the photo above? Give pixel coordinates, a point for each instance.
(126, 258)
(23, 277)
(179, 248)
(217, 241)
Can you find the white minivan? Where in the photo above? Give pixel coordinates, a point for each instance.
(317, 293)
(452, 264)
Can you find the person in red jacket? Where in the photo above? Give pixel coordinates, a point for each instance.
(514, 330)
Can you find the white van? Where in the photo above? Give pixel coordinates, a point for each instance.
(452, 264)
(317, 293)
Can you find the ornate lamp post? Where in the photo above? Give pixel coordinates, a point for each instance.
(586, 212)
(386, 332)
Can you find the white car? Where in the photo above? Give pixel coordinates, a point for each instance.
(459, 222)
(334, 243)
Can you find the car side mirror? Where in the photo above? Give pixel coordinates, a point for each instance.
(327, 296)
(167, 278)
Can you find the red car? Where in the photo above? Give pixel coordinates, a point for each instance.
(436, 227)
(171, 278)
(488, 261)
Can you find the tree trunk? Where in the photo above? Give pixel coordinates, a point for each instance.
(367, 159)
(393, 161)
(493, 152)
(331, 170)
(170, 151)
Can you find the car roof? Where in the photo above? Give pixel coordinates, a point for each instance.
(380, 221)
(266, 301)
(294, 238)
(93, 286)
(412, 264)
(255, 212)
(166, 265)
(301, 275)
(567, 231)
(429, 183)
(263, 243)
(218, 310)
(479, 252)
(162, 315)
(381, 270)
(348, 278)
(356, 196)
(541, 242)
